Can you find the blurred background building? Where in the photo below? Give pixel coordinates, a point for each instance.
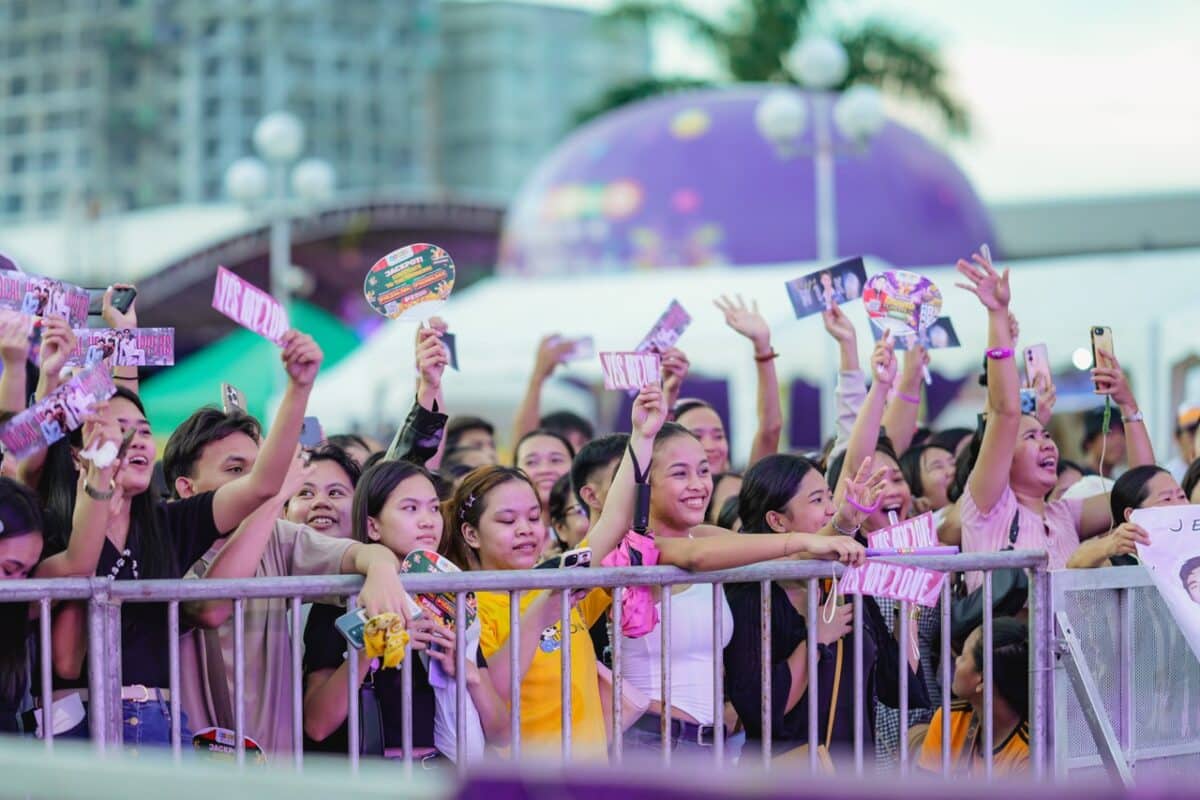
(115, 105)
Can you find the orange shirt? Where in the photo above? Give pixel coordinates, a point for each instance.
(1009, 757)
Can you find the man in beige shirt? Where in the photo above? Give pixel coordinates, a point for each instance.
(209, 449)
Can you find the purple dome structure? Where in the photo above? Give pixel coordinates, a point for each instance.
(688, 180)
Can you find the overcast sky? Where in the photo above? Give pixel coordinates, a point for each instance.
(1067, 97)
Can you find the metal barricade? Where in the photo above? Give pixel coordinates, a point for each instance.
(106, 597)
(1126, 685)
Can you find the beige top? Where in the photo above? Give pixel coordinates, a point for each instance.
(292, 550)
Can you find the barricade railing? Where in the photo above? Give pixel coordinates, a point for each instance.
(106, 597)
(1125, 692)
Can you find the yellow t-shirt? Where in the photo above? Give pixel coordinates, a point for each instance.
(1009, 757)
(541, 689)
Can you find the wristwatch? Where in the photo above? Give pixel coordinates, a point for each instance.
(1136, 416)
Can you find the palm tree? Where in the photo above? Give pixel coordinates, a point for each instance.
(753, 44)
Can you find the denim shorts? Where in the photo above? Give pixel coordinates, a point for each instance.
(149, 724)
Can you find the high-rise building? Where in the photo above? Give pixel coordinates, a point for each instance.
(111, 105)
(108, 105)
(513, 76)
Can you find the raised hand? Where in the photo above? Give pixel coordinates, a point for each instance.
(552, 351)
(15, 330)
(58, 342)
(675, 367)
(432, 356)
(649, 412)
(838, 325)
(883, 360)
(1047, 396)
(747, 321)
(916, 359)
(1110, 379)
(990, 286)
(302, 358)
(865, 489)
(114, 318)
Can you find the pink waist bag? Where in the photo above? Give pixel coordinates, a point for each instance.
(639, 613)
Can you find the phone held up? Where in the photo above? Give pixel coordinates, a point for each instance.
(1102, 340)
(1037, 364)
(122, 299)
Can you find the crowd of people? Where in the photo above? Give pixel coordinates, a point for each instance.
(228, 501)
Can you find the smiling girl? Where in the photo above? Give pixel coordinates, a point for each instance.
(396, 505)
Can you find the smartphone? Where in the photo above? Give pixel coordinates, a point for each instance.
(1102, 339)
(232, 399)
(351, 626)
(122, 299)
(568, 560)
(1028, 401)
(1037, 363)
(311, 434)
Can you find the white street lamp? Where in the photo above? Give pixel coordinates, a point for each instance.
(279, 140)
(279, 137)
(312, 180)
(821, 64)
(246, 181)
(859, 113)
(780, 117)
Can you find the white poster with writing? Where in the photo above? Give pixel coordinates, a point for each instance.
(1173, 560)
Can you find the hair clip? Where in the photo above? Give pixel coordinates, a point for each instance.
(470, 501)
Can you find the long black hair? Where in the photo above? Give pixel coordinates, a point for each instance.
(1131, 490)
(21, 514)
(1010, 662)
(768, 486)
(58, 485)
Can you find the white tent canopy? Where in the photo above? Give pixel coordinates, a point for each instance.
(1147, 298)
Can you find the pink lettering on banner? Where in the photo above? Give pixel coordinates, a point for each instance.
(894, 581)
(249, 306)
(907, 535)
(630, 370)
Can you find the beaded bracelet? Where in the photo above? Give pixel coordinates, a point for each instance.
(998, 353)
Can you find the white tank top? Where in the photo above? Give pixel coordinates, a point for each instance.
(691, 653)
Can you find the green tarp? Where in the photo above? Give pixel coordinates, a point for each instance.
(244, 359)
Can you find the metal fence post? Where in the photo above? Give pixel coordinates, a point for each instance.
(1041, 665)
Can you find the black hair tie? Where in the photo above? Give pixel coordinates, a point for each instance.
(641, 501)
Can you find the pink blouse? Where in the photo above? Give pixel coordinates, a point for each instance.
(1057, 532)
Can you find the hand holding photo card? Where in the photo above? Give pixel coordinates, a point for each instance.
(410, 283)
(129, 347)
(451, 344)
(43, 297)
(818, 291)
(58, 413)
(249, 306)
(666, 331)
(939, 336)
(903, 302)
(584, 349)
(631, 371)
